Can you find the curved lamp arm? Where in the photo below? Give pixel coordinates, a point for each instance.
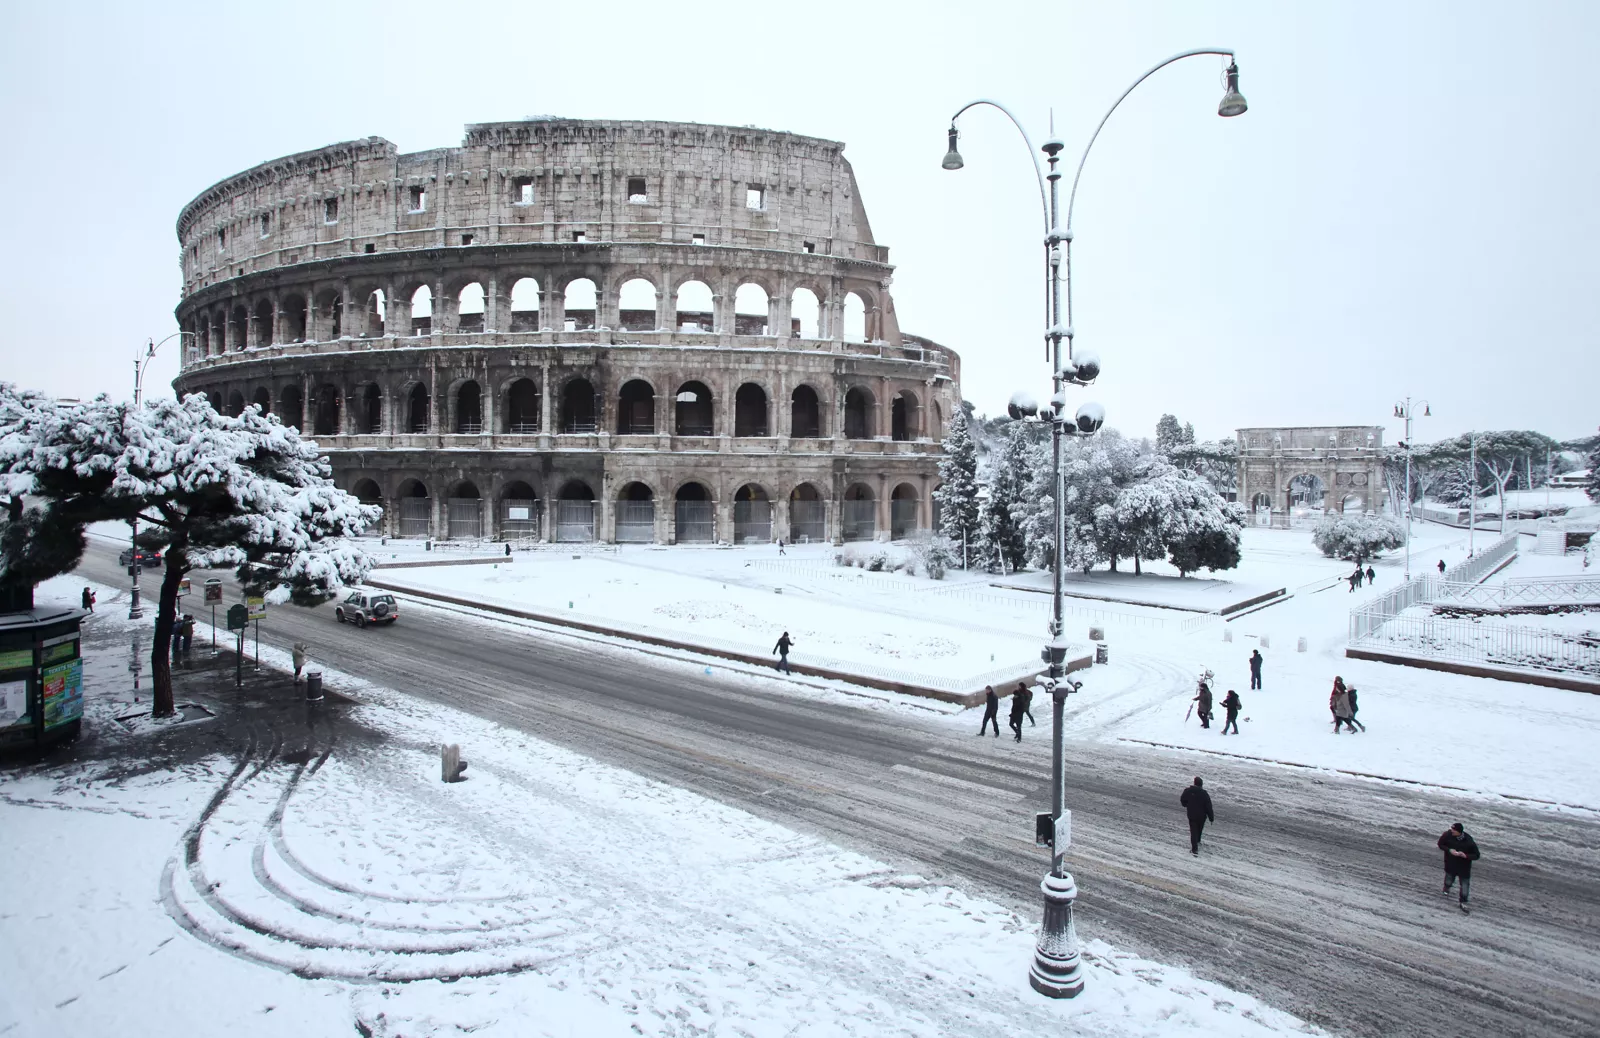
(143, 362)
(1073, 195)
(1033, 156)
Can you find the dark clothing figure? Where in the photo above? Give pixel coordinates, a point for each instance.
(1352, 579)
(1197, 805)
(1460, 851)
(1441, 567)
(508, 548)
(1027, 701)
(1372, 575)
(1339, 704)
(1019, 709)
(1256, 660)
(991, 711)
(1231, 704)
(782, 649)
(1358, 576)
(780, 546)
(1203, 699)
(188, 633)
(1351, 692)
(88, 600)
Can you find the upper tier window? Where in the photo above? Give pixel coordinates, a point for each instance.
(638, 194)
(266, 224)
(419, 199)
(755, 196)
(522, 191)
(330, 211)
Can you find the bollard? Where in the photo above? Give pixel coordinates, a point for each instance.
(1101, 653)
(1227, 634)
(1097, 634)
(1266, 641)
(450, 763)
(313, 686)
(1301, 646)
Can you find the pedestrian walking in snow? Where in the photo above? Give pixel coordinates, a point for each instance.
(1203, 701)
(780, 546)
(1026, 695)
(782, 649)
(88, 600)
(1197, 805)
(1441, 567)
(1372, 575)
(991, 711)
(1256, 660)
(1359, 575)
(1231, 704)
(299, 657)
(1339, 703)
(1352, 579)
(1460, 851)
(1018, 709)
(1351, 692)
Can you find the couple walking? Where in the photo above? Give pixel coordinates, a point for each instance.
(1230, 702)
(1021, 706)
(1342, 702)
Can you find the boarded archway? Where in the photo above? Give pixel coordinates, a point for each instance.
(695, 513)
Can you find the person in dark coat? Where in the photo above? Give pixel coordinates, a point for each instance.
(1203, 701)
(1339, 704)
(1197, 804)
(1019, 707)
(1441, 567)
(785, 643)
(1231, 704)
(88, 600)
(1372, 575)
(991, 711)
(1460, 851)
(1026, 695)
(1352, 579)
(1351, 692)
(1256, 659)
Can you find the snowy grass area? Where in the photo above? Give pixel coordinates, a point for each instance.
(546, 895)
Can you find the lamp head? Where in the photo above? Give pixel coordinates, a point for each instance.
(1088, 365)
(1022, 405)
(1233, 102)
(1090, 418)
(1426, 411)
(952, 158)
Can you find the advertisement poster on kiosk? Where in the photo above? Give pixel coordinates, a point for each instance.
(62, 688)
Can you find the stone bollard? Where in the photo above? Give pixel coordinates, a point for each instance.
(1097, 634)
(450, 763)
(1227, 634)
(1266, 641)
(313, 686)
(1300, 646)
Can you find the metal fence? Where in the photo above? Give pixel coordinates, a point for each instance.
(1367, 620)
(1474, 641)
(636, 522)
(860, 520)
(519, 519)
(752, 522)
(465, 518)
(807, 521)
(574, 520)
(1525, 591)
(697, 522)
(416, 517)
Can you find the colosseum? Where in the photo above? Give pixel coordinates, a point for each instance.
(574, 330)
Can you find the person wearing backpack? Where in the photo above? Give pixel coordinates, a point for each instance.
(1232, 705)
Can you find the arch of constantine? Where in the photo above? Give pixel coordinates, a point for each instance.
(1337, 468)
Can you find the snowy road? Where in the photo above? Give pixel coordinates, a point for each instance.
(1318, 894)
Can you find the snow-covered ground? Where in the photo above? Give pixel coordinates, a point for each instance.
(1480, 735)
(547, 895)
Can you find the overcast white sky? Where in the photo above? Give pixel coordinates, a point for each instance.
(1410, 206)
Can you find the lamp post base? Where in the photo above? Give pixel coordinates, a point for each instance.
(135, 611)
(1057, 970)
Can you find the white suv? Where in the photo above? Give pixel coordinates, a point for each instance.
(367, 607)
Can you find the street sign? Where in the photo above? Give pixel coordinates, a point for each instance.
(183, 586)
(213, 589)
(257, 607)
(238, 617)
(1053, 833)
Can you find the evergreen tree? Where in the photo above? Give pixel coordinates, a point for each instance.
(1168, 433)
(1009, 483)
(1593, 485)
(958, 491)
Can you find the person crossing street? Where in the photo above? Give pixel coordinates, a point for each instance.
(1231, 704)
(1019, 708)
(991, 711)
(785, 643)
(1197, 805)
(1460, 851)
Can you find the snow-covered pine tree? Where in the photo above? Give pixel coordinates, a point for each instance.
(1008, 486)
(1592, 487)
(1168, 433)
(246, 492)
(1357, 537)
(958, 490)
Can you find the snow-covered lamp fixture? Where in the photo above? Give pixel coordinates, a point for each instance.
(1022, 405)
(1427, 412)
(952, 158)
(1233, 102)
(1088, 365)
(1090, 418)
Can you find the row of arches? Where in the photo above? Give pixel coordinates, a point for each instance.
(575, 514)
(414, 311)
(640, 410)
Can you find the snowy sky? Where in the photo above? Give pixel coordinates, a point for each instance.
(1408, 206)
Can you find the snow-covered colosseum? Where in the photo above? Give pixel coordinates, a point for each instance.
(575, 330)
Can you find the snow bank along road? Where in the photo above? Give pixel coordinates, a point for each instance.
(1316, 893)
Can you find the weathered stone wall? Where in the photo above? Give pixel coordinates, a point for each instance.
(301, 277)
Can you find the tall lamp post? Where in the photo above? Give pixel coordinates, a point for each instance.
(140, 362)
(1404, 410)
(1057, 968)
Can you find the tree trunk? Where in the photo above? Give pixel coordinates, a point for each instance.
(166, 619)
(1136, 570)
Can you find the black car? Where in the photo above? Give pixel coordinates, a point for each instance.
(147, 557)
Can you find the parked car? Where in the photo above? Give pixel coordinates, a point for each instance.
(362, 607)
(147, 557)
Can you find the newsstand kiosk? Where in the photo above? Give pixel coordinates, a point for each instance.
(41, 676)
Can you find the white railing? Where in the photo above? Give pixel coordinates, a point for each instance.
(1480, 566)
(1503, 644)
(1368, 619)
(1526, 591)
